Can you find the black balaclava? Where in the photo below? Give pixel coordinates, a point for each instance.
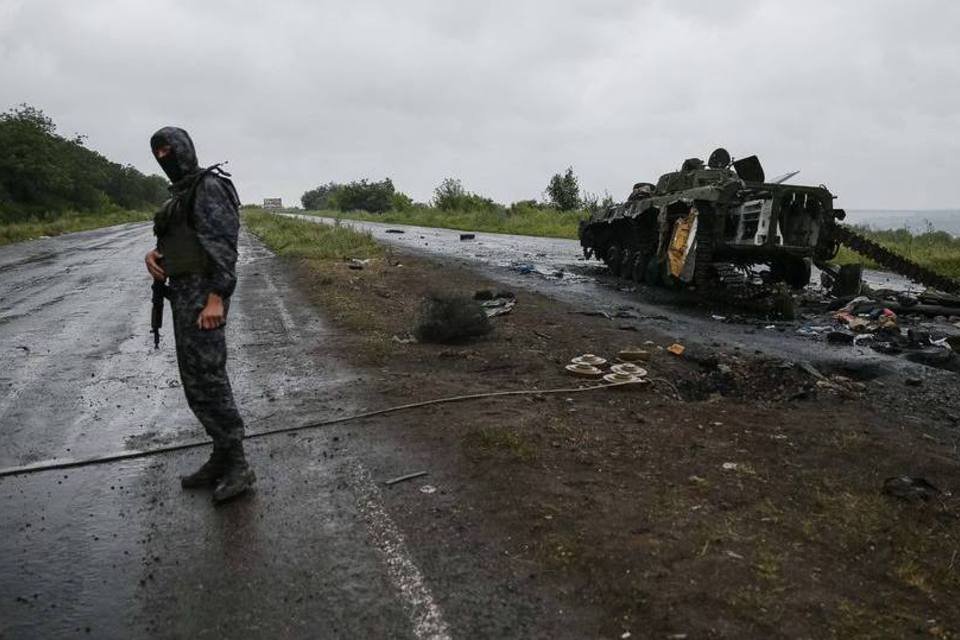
(182, 159)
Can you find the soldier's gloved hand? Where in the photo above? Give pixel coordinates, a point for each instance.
(212, 316)
(153, 265)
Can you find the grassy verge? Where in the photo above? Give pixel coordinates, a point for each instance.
(302, 239)
(19, 231)
(937, 250)
(322, 253)
(528, 222)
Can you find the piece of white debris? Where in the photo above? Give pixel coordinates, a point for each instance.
(730, 466)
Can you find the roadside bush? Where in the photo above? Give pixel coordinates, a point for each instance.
(401, 202)
(451, 196)
(563, 191)
(362, 195)
(359, 195)
(450, 318)
(320, 198)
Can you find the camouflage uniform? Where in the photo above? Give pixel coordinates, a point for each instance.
(202, 358)
(197, 231)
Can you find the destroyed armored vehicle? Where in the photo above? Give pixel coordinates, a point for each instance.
(723, 226)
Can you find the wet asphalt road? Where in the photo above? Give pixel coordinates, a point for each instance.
(119, 551)
(525, 262)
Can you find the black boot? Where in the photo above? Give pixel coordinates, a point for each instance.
(207, 475)
(237, 479)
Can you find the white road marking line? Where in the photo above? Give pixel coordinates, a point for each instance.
(285, 318)
(415, 596)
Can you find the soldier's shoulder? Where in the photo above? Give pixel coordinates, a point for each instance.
(214, 185)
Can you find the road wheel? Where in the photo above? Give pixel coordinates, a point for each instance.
(613, 259)
(626, 264)
(639, 267)
(651, 273)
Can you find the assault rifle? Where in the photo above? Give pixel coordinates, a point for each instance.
(156, 314)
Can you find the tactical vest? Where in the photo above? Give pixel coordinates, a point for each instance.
(176, 237)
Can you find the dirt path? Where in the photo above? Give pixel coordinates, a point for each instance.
(120, 551)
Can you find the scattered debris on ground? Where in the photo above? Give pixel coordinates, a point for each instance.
(923, 327)
(451, 318)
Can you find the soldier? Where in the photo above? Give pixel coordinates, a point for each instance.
(196, 249)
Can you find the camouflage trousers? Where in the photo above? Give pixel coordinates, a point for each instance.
(202, 358)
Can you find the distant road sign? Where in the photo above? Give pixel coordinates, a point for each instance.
(273, 203)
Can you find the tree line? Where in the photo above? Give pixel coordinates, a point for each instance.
(44, 174)
(562, 193)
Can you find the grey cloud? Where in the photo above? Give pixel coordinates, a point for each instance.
(864, 98)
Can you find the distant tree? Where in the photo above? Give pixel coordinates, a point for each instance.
(401, 202)
(363, 195)
(563, 191)
(322, 197)
(45, 174)
(451, 196)
(359, 195)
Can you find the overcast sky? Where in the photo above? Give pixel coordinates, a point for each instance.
(861, 96)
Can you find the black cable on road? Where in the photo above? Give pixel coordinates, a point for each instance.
(53, 465)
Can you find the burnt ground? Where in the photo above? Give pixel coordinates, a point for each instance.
(749, 507)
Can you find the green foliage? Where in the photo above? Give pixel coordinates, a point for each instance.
(43, 174)
(320, 198)
(359, 195)
(451, 196)
(401, 202)
(363, 195)
(563, 191)
(936, 250)
(593, 203)
(304, 239)
(67, 223)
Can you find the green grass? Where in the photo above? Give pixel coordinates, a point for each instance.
(936, 250)
(527, 221)
(305, 239)
(67, 223)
